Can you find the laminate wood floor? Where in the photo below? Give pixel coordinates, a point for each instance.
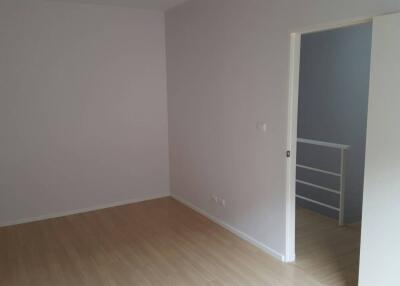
(326, 251)
(159, 242)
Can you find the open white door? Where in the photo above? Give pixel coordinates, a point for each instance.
(380, 245)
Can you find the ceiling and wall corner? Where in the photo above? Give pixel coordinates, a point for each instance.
(161, 5)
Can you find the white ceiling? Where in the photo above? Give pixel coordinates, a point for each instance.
(140, 4)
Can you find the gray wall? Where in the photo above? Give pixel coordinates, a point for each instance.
(83, 114)
(333, 104)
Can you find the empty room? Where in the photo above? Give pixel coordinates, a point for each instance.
(199, 142)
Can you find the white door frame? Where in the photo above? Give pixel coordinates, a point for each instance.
(294, 75)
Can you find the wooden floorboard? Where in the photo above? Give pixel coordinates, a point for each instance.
(159, 242)
(326, 251)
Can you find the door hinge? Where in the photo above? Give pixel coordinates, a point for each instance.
(288, 153)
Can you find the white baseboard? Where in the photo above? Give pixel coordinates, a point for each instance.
(235, 231)
(83, 210)
(228, 227)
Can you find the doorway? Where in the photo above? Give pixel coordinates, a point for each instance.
(331, 116)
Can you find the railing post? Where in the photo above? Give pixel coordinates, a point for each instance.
(342, 185)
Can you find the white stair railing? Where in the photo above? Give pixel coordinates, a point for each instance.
(341, 175)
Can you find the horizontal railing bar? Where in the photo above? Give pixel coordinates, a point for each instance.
(318, 203)
(319, 187)
(324, 144)
(319, 170)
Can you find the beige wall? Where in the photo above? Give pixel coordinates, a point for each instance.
(228, 67)
(83, 119)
